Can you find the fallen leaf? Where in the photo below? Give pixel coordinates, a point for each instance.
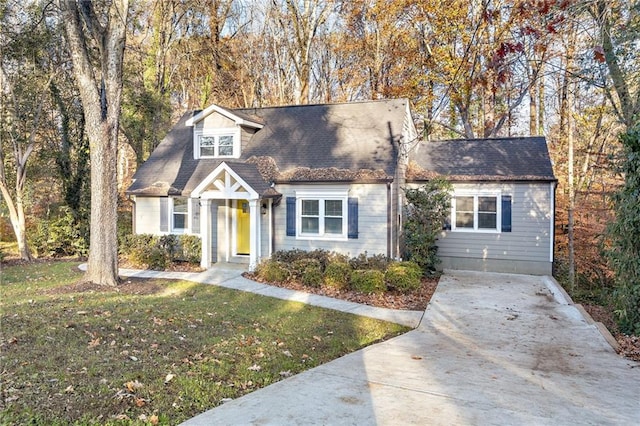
(287, 373)
(317, 338)
(255, 367)
(287, 353)
(133, 385)
(154, 419)
(416, 357)
(140, 402)
(93, 343)
(169, 377)
(69, 389)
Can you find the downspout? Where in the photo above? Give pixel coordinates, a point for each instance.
(389, 218)
(132, 199)
(552, 222)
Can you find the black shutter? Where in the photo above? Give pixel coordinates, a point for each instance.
(195, 215)
(164, 214)
(352, 216)
(506, 213)
(291, 216)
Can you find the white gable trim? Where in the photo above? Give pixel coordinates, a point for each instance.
(224, 188)
(230, 115)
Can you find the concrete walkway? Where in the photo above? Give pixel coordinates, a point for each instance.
(230, 276)
(492, 349)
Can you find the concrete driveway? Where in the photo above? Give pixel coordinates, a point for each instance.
(492, 349)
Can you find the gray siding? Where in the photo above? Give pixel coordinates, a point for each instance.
(372, 222)
(527, 249)
(147, 215)
(245, 136)
(215, 121)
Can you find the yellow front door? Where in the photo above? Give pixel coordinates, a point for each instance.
(242, 227)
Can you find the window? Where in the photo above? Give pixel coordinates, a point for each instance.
(476, 212)
(179, 215)
(322, 217)
(216, 145)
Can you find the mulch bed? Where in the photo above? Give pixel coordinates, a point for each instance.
(414, 301)
(629, 345)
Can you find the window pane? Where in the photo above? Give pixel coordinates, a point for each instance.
(464, 220)
(225, 150)
(225, 145)
(207, 151)
(487, 220)
(333, 208)
(487, 204)
(226, 140)
(310, 207)
(310, 225)
(207, 141)
(180, 221)
(180, 205)
(464, 204)
(333, 225)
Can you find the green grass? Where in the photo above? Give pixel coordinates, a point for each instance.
(87, 355)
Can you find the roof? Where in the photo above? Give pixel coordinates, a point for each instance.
(333, 142)
(349, 136)
(500, 159)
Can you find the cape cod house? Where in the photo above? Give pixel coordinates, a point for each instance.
(253, 181)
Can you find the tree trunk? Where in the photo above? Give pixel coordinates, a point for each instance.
(16, 216)
(100, 89)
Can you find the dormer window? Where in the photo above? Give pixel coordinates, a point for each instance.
(216, 144)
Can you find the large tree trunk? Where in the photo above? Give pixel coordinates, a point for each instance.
(100, 89)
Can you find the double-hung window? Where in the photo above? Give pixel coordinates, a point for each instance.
(322, 215)
(180, 214)
(476, 212)
(219, 144)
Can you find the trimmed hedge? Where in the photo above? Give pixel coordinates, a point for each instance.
(368, 281)
(403, 276)
(374, 274)
(272, 271)
(158, 252)
(336, 275)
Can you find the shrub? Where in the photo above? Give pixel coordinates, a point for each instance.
(145, 250)
(427, 210)
(191, 248)
(403, 276)
(311, 274)
(336, 274)
(61, 236)
(169, 243)
(368, 281)
(157, 252)
(364, 261)
(272, 271)
(291, 256)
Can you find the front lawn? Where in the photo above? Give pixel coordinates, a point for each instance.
(151, 351)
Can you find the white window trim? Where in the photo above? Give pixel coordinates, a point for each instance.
(475, 195)
(232, 131)
(321, 196)
(172, 228)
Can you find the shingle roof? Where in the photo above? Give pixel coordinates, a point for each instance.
(349, 136)
(335, 142)
(519, 158)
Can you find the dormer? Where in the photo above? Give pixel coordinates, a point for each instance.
(218, 132)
